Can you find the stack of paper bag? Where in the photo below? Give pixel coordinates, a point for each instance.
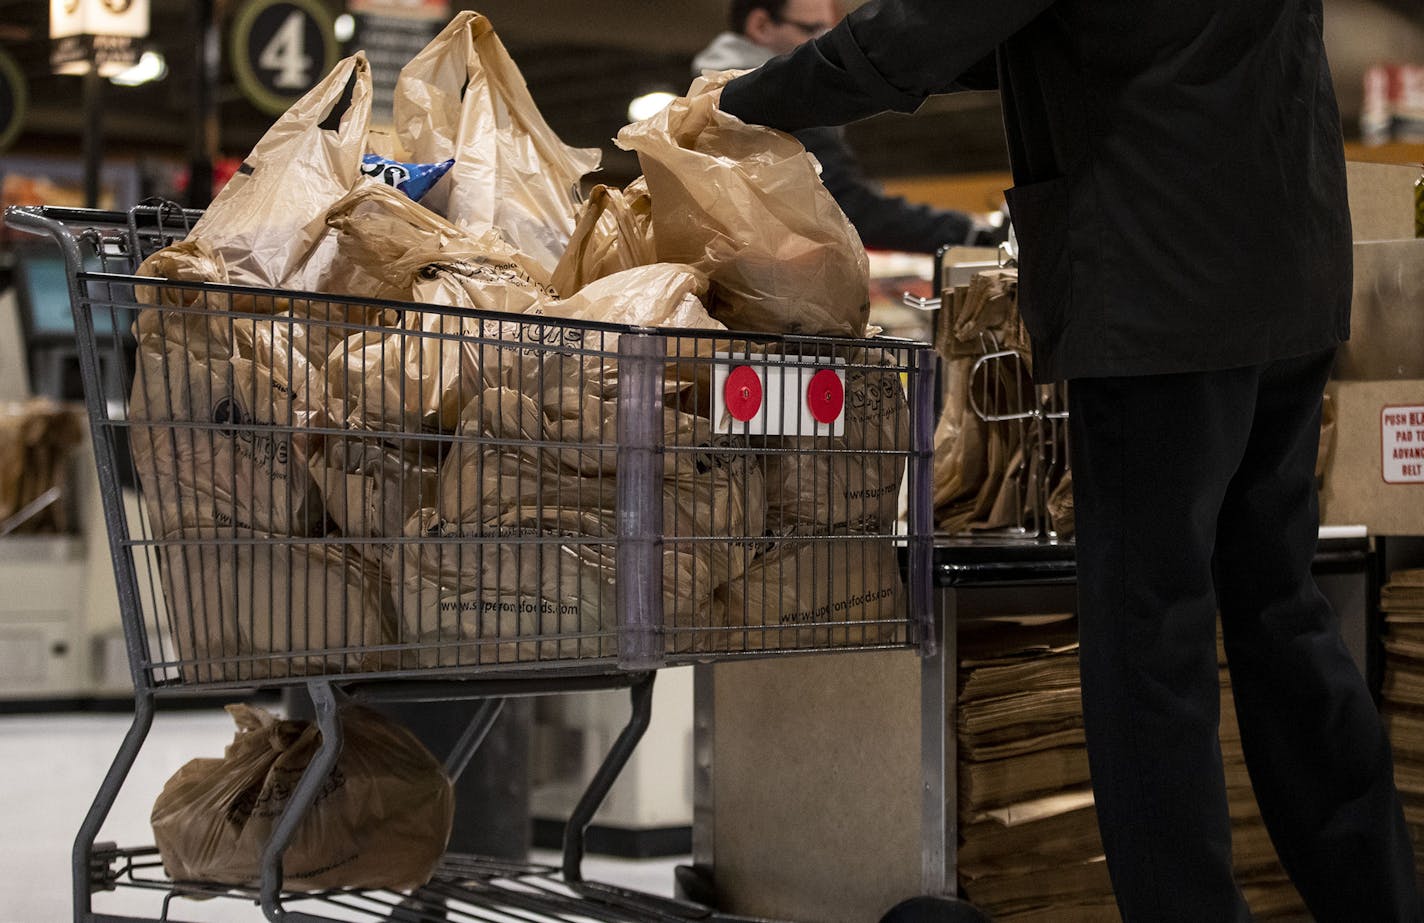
(1402, 601)
(1029, 847)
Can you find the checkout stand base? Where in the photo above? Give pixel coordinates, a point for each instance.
(806, 807)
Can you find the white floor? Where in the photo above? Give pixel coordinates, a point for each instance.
(50, 768)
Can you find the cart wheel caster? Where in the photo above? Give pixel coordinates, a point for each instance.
(694, 883)
(934, 910)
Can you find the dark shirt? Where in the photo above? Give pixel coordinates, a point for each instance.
(1179, 191)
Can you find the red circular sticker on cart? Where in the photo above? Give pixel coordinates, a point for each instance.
(743, 393)
(826, 396)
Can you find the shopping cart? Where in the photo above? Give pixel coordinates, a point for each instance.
(380, 501)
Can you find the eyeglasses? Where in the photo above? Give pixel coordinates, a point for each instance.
(810, 29)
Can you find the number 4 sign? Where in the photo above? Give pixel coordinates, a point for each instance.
(281, 49)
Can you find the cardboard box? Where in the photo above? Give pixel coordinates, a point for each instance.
(1381, 200)
(1386, 314)
(1374, 473)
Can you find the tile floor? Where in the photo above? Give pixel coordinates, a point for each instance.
(52, 764)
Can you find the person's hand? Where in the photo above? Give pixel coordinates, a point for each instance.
(711, 84)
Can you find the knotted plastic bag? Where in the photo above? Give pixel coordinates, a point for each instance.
(745, 204)
(614, 232)
(380, 820)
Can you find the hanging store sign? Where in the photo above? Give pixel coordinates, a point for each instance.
(391, 32)
(281, 49)
(102, 34)
(13, 97)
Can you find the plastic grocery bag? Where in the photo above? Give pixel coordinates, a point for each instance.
(245, 605)
(416, 255)
(382, 818)
(852, 484)
(243, 375)
(488, 586)
(271, 215)
(463, 97)
(614, 232)
(746, 205)
(419, 375)
(806, 594)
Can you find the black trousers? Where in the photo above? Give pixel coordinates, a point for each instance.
(1193, 493)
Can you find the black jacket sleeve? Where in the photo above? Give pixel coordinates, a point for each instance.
(883, 222)
(886, 55)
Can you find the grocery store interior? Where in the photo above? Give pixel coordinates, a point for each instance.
(271, 537)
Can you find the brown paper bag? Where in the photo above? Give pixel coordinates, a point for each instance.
(381, 820)
(614, 232)
(745, 204)
(284, 609)
(807, 594)
(463, 97)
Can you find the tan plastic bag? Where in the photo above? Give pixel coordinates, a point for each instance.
(830, 492)
(744, 203)
(381, 820)
(371, 487)
(403, 245)
(418, 376)
(197, 368)
(463, 97)
(267, 608)
(614, 232)
(268, 219)
(801, 594)
(517, 597)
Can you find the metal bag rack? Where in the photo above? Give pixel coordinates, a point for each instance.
(1037, 414)
(651, 546)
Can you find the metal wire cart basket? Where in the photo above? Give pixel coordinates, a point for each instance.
(389, 502)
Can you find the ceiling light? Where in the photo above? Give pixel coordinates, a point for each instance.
(648, 105)
(345, 27)
(152, 66)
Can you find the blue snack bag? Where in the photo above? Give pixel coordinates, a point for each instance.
(414, 179)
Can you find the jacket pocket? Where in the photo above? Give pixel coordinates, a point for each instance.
(1039, 212)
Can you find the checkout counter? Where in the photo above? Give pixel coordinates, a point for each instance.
(61, 638)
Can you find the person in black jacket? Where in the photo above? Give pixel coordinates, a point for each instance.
(760, 30)
(1185, 263)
